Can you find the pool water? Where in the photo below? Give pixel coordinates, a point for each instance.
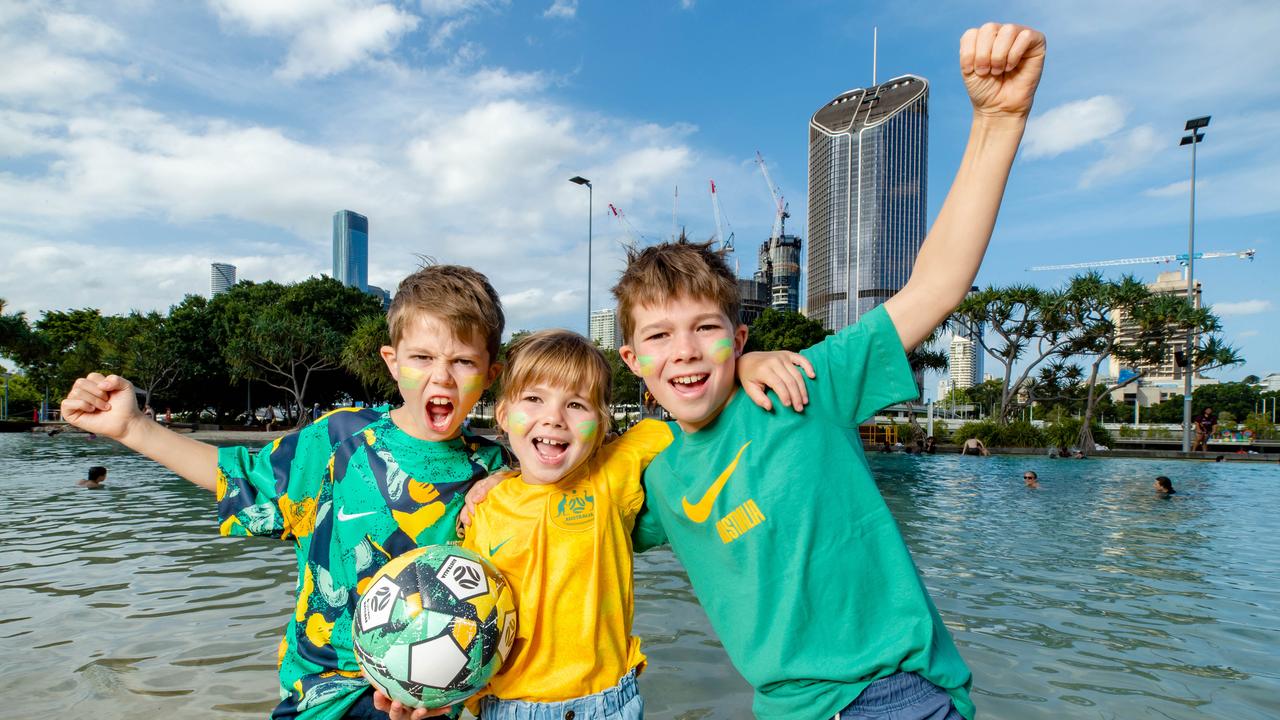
(1091, 597)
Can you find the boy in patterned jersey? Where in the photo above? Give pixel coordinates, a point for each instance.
(353, 489)
(789, 546)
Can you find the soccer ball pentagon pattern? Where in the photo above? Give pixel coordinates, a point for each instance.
(434, 625)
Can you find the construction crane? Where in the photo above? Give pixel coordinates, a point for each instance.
(780, 218)
(726, 242)
(1157, 259)
(633, 238)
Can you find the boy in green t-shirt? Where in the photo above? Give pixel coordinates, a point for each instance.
(353, 489)
(786, 540)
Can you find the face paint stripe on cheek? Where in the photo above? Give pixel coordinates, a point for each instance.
(519, 422)
(646, 364)
(411, 377)
(474, 383)
(587, 429)
(722, 350)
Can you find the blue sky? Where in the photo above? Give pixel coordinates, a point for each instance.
(141, 140)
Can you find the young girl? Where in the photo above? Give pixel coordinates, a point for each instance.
(560, 530)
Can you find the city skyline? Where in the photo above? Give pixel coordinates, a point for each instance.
(221, 130)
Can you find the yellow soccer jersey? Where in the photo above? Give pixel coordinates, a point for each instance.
(566, 550)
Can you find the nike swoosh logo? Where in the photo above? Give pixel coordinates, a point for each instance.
(493, 549)
(701, 510)
(344, 517)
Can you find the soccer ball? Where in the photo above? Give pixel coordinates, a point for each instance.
(434, 625)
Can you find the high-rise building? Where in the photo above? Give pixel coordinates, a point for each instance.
(752, 299)
(1163, 379)
(974, 332)
(868, 151)
(961, 362)
(351, 249)
(779, 271)
(383, 296)
(221, 277)
(604, 330)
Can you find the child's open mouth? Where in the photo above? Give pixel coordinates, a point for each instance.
(690, 385)
(550, 451)
(439, 413)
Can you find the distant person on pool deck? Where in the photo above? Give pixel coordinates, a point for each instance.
(1220, 458)
(1031, 479)
(97, 478)
(1205, 424)
(1164, 486)
(974, 446)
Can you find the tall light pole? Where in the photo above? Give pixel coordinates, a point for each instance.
(1193, 126)
(578, 179)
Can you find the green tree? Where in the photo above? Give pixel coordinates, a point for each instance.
(626, 384)
(290, 337)
(140, 347)
(784, 330)
(202, 379)
(361, 356)
(1029, 327)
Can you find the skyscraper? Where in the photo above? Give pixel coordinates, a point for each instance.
(221, 277)
(780, 271)
(868, 163)
(604, 329)
(351, 249)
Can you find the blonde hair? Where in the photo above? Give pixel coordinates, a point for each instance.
(458, 295)
(559, 358)
(675, 270)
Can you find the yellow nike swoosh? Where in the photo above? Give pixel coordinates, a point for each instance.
(701, 510)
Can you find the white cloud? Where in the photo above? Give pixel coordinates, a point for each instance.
(1181, 188)
(562, 9)
(1247, 333)
(1124, 153)
(1072, 125)
(686, 4)
(49, 78)
(1244, 307)
(82, 32)
(326, 37)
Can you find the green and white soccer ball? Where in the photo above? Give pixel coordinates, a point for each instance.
(434, 625)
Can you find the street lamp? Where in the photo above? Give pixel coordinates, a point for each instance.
(579, 180)
(1193, 126)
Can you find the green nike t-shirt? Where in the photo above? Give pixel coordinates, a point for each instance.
(350, 491)
(790, 547)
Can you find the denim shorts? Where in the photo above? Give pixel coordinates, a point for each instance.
(620, 702)
(901, 696)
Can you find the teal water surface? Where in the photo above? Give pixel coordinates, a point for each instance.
(1090, 597)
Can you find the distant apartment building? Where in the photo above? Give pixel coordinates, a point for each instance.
(351, 249)
(221, 277)
(1162, 379)
(962, 362)
(605, 331)
(868, 166)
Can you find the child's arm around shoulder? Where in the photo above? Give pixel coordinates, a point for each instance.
(107, 406)
(1001, 67)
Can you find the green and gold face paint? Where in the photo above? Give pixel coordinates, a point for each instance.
(587, 429)
(518, 422)
(472, 384)
(722, 350)
(645, 362)
(411, 378)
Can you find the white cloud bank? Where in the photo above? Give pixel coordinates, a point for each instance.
(1072, 125)
(1243, 307)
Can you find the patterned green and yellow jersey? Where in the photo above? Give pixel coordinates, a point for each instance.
(350, 491)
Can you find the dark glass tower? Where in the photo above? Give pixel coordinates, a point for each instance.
(351, 249)
(868, 161)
